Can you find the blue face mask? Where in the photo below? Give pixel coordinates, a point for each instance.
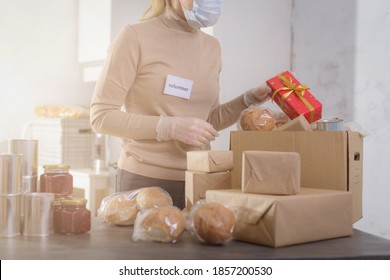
(204, 13)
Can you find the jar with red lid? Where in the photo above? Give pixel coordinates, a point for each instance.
(56, 179)
(72, 217)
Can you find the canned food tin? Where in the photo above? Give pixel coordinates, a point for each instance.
(29, 150)
(11, 167)
(30, 184)
(38, 214)
(333, 124)
(10, 215)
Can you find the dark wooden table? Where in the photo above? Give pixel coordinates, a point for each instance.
(106, 242)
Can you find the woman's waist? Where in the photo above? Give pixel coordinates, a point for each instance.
(164, 160)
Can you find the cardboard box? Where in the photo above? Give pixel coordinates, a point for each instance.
(293, 98)
(210, 161)
(197, 183)
(297, 124)
(277, 221)
(265, 172)
(329, 159)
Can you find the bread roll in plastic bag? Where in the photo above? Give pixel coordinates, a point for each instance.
(119, 208)
(152, 197)
(160, 224)
(257, 118)
(211, 222)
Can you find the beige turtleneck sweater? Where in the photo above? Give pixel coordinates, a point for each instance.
(129, 95)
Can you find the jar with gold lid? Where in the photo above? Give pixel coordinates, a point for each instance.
(56, 179)
(57, 202)
(72, 217)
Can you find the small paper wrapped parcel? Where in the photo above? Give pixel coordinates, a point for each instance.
(282, 220)
(268, 172)
(197, 183)
(210, 161)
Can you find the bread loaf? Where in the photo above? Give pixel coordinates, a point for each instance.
(119, 210)
(257, 119)
(214, 223)
(153, 197)
(161, 224)
(122, 212)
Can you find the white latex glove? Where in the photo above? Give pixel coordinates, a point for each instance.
(192, 131)
(257, 95)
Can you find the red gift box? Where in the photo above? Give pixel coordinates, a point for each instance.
(294, 98)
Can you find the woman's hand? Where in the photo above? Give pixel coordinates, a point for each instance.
(192, 131)
(257, 95)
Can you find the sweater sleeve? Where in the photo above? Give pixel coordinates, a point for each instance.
(117, 77)
(227, 114)
(224, 115)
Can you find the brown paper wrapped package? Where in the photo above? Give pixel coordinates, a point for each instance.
(329, 159)
(210, 161)
(197, 183)
(277, 221)
(298, 124)
(270, 172)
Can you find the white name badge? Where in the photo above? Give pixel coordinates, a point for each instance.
(178, 87)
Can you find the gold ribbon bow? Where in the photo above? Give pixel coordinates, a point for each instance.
(298, 90)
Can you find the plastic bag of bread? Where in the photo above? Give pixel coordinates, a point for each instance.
(260, 119)
(152, 197)
(119, 208)
(211, 222)
(160, 224)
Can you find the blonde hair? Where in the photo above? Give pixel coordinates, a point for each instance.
(158, 8)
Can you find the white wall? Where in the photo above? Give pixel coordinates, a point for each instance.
(38, 54)
(371, 110)
(341, 50)
(39, 58)
(323, 52)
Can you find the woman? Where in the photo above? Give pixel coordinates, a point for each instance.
(164, 73)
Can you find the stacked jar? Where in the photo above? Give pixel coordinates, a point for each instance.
(70, 214)
(10, 194)
(56, 179)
